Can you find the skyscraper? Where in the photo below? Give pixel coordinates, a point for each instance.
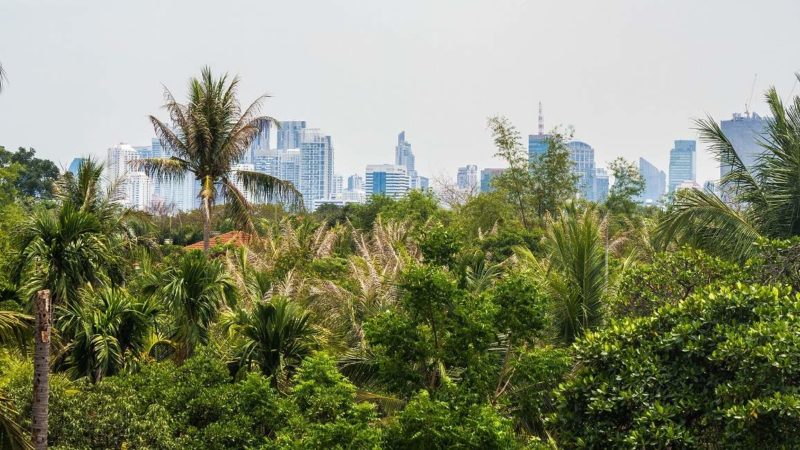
(387, 179)
(316, 166)
(487, 175)
(338, 185)
(682, 160)
(355, 182)
(404, 157)
(260, 143)
(289, 134)
(600, 189)
(179, 194)
(75, 165)
(744, 132)
(655, 181)
(582, 155)
(537, 143)
(467, 178)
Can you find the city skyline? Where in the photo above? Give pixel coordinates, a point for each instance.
(616, 88)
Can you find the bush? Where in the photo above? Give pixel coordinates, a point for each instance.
(720, 369)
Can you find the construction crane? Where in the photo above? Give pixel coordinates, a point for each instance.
(750, 99)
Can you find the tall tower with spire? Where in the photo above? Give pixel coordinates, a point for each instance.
(537, 143)
(541, 120)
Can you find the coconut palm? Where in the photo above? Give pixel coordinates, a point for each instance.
(759, 201)
(275, 336)
(12, 435)
(574, 274)
(210, 134)
(193, 289)
(104, 330)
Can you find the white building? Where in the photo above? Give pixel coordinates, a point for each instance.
(344, 198)
(316, 166)
(387, 179)
(132, 188)
(467, 178)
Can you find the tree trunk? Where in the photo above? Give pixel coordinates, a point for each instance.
(41, 371)
(206, 223)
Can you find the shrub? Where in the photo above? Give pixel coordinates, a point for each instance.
(720, 369)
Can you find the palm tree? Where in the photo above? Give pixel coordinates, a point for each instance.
(193, 290)
(275, 336)
(762, 201)
(14, 327)
(574, 275)
(107, 328)
(62, 253)
(211, 133)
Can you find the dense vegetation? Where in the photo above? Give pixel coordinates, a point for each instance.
(519, 318)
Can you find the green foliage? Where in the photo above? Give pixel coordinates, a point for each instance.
(521, 307)
(668, 279)
(628, 183)
(537, 372)
(757, 202)
(274, 336)
(440, 244)
(427, 423)
(718, 369)
(193, 289)
(34, 177)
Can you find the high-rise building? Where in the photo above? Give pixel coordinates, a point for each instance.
(538, 143)
(582, 155)
(682, 160)
(387, 179)
(316, 166)
(289, 133)
(487, 175)
(338, 185)
(655, 182)
(245, 167)
(289, 166)
(260, 143)
(467, 178)
(75, 165)
(744, 131)
(600, 181)
(138, 190)
(355, 182)
(118, 161)
(423, 183)
(176, 194)
(403, 156)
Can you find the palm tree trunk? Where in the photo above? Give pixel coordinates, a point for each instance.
(206, 223)
(41, 371)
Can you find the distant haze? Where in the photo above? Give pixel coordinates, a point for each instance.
(628, 75)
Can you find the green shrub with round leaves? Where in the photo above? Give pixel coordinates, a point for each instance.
(720, 369)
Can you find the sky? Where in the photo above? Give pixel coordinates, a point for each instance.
(628, 75)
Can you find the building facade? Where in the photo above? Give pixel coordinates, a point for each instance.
(316, 166)
(744, 131)
(655, 183)
(467, 178)
(289, 133)
(682, 162)
(582, 155)
(600, 189)
(387, 179)
(487, 175)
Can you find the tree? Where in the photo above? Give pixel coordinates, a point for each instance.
(540, 184)
(718, 370)
(275, 335)
(208, 136)
(105, 330)
(628, 183)
(574, 275)
(35, 177)
(193, 289)
(758, 202)
(41, 370)
(62, 253)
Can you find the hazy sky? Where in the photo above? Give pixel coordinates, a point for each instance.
(628, 75)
